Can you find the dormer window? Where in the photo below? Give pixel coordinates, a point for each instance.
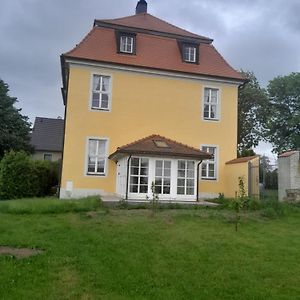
(126, 42)
(189, 53)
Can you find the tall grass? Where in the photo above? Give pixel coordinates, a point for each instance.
(49, 205)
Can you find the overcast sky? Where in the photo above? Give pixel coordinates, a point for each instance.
(255, 35)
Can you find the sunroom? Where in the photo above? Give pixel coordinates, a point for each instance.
(160, 165)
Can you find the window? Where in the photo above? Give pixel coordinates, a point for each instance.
(126, 44)
(96, 157)
(48, 156)
(101, 92)
(209, 166)
(186, 177)
(189, 53)
(162, 176)
(211, 104)
(139, 175)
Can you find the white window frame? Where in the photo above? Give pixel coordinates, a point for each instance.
(139, 176)
(163, 176)
(191, 52)
(126, 40)
(105, 157)
(215, 162)
(185, 178)
(218, 103)
(109, 92)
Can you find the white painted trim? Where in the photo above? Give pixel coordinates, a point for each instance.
(219, 106)
(100, 73)
(216, 163)
(87, 153)
(142, 70)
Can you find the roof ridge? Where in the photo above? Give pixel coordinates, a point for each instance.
(156, 18)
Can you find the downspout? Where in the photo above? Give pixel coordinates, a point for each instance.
(198, 165)
(127, 176)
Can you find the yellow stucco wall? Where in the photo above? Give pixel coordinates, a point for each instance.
(142, 105)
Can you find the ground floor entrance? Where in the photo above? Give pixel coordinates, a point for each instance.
(170, 178)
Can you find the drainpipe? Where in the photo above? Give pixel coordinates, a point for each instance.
(198, 165)
(127, 176)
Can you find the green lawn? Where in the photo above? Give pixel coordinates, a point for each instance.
(136, 254)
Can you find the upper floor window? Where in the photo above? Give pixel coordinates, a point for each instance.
(101, 92)
(96, 164)
(211, 104)
(189, 53)
(209, 166)
(126, 44)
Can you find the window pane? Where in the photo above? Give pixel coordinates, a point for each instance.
(92, 147)
(143, 180)
(190, 191)
(144, 171)
(100, 166)
(181, 173)
(158, 164)
(105, 84)
(96, 82)
(190, 174)
(190, 182)
(206, 95)
(144, 162)
(134, 180)
(203, 172)
(167, 172)
(158, 181)
(190, 165)
(167, 181)
(206, 111)
(158, 189)
(214, 96)
(143, 188)
(167, 164)
(158, 172)
(91, 165)
(213, 112)
(101, 147)
(95, 100)
(181, 164)
(166, 190)
(134, 171)
(135, 161)
(180, 190)
(180, 182)
(133, 188)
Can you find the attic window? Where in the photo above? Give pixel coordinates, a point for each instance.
(126, 42)
(161, 144)
(189, 52)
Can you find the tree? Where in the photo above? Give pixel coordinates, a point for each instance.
(252, 113)
(283, 128)
(14, 128)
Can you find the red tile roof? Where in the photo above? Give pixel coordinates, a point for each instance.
(149, 22)
(153, 51)
(287, 153)
(147, 146)
(241, 160)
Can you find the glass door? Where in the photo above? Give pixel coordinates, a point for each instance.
(163, 177)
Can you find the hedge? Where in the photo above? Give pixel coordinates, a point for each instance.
(21, 176)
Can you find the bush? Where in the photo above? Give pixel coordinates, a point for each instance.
(20, 176)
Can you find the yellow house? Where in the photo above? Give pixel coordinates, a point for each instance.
(148, 104)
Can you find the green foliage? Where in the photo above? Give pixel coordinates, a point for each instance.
(49, 205)
(284, 120)
(154, 202)
(20, 176)
(252, 113)
(15, 128)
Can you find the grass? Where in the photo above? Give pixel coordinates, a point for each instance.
(138, 254)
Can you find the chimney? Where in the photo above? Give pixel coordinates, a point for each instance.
(141, 7)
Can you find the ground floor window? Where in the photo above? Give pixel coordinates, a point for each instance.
(171, 177)
(186, 177)
(96, 164)
(209, 166)
(139, 175)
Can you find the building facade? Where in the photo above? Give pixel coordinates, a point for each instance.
(148, 104)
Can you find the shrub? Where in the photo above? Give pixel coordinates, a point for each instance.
(20, 176)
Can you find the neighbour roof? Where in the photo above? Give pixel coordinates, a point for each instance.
(158, 145)
(47, 134)
(241, 160)
(154, 51)
(287, 153)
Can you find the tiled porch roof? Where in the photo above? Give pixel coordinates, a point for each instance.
(157, 145)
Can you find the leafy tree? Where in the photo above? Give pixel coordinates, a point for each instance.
(14, 128)
(283, 128)
(252, 113)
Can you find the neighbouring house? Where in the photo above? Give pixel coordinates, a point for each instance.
(47, 138)
(289, 176)
(148, 103)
